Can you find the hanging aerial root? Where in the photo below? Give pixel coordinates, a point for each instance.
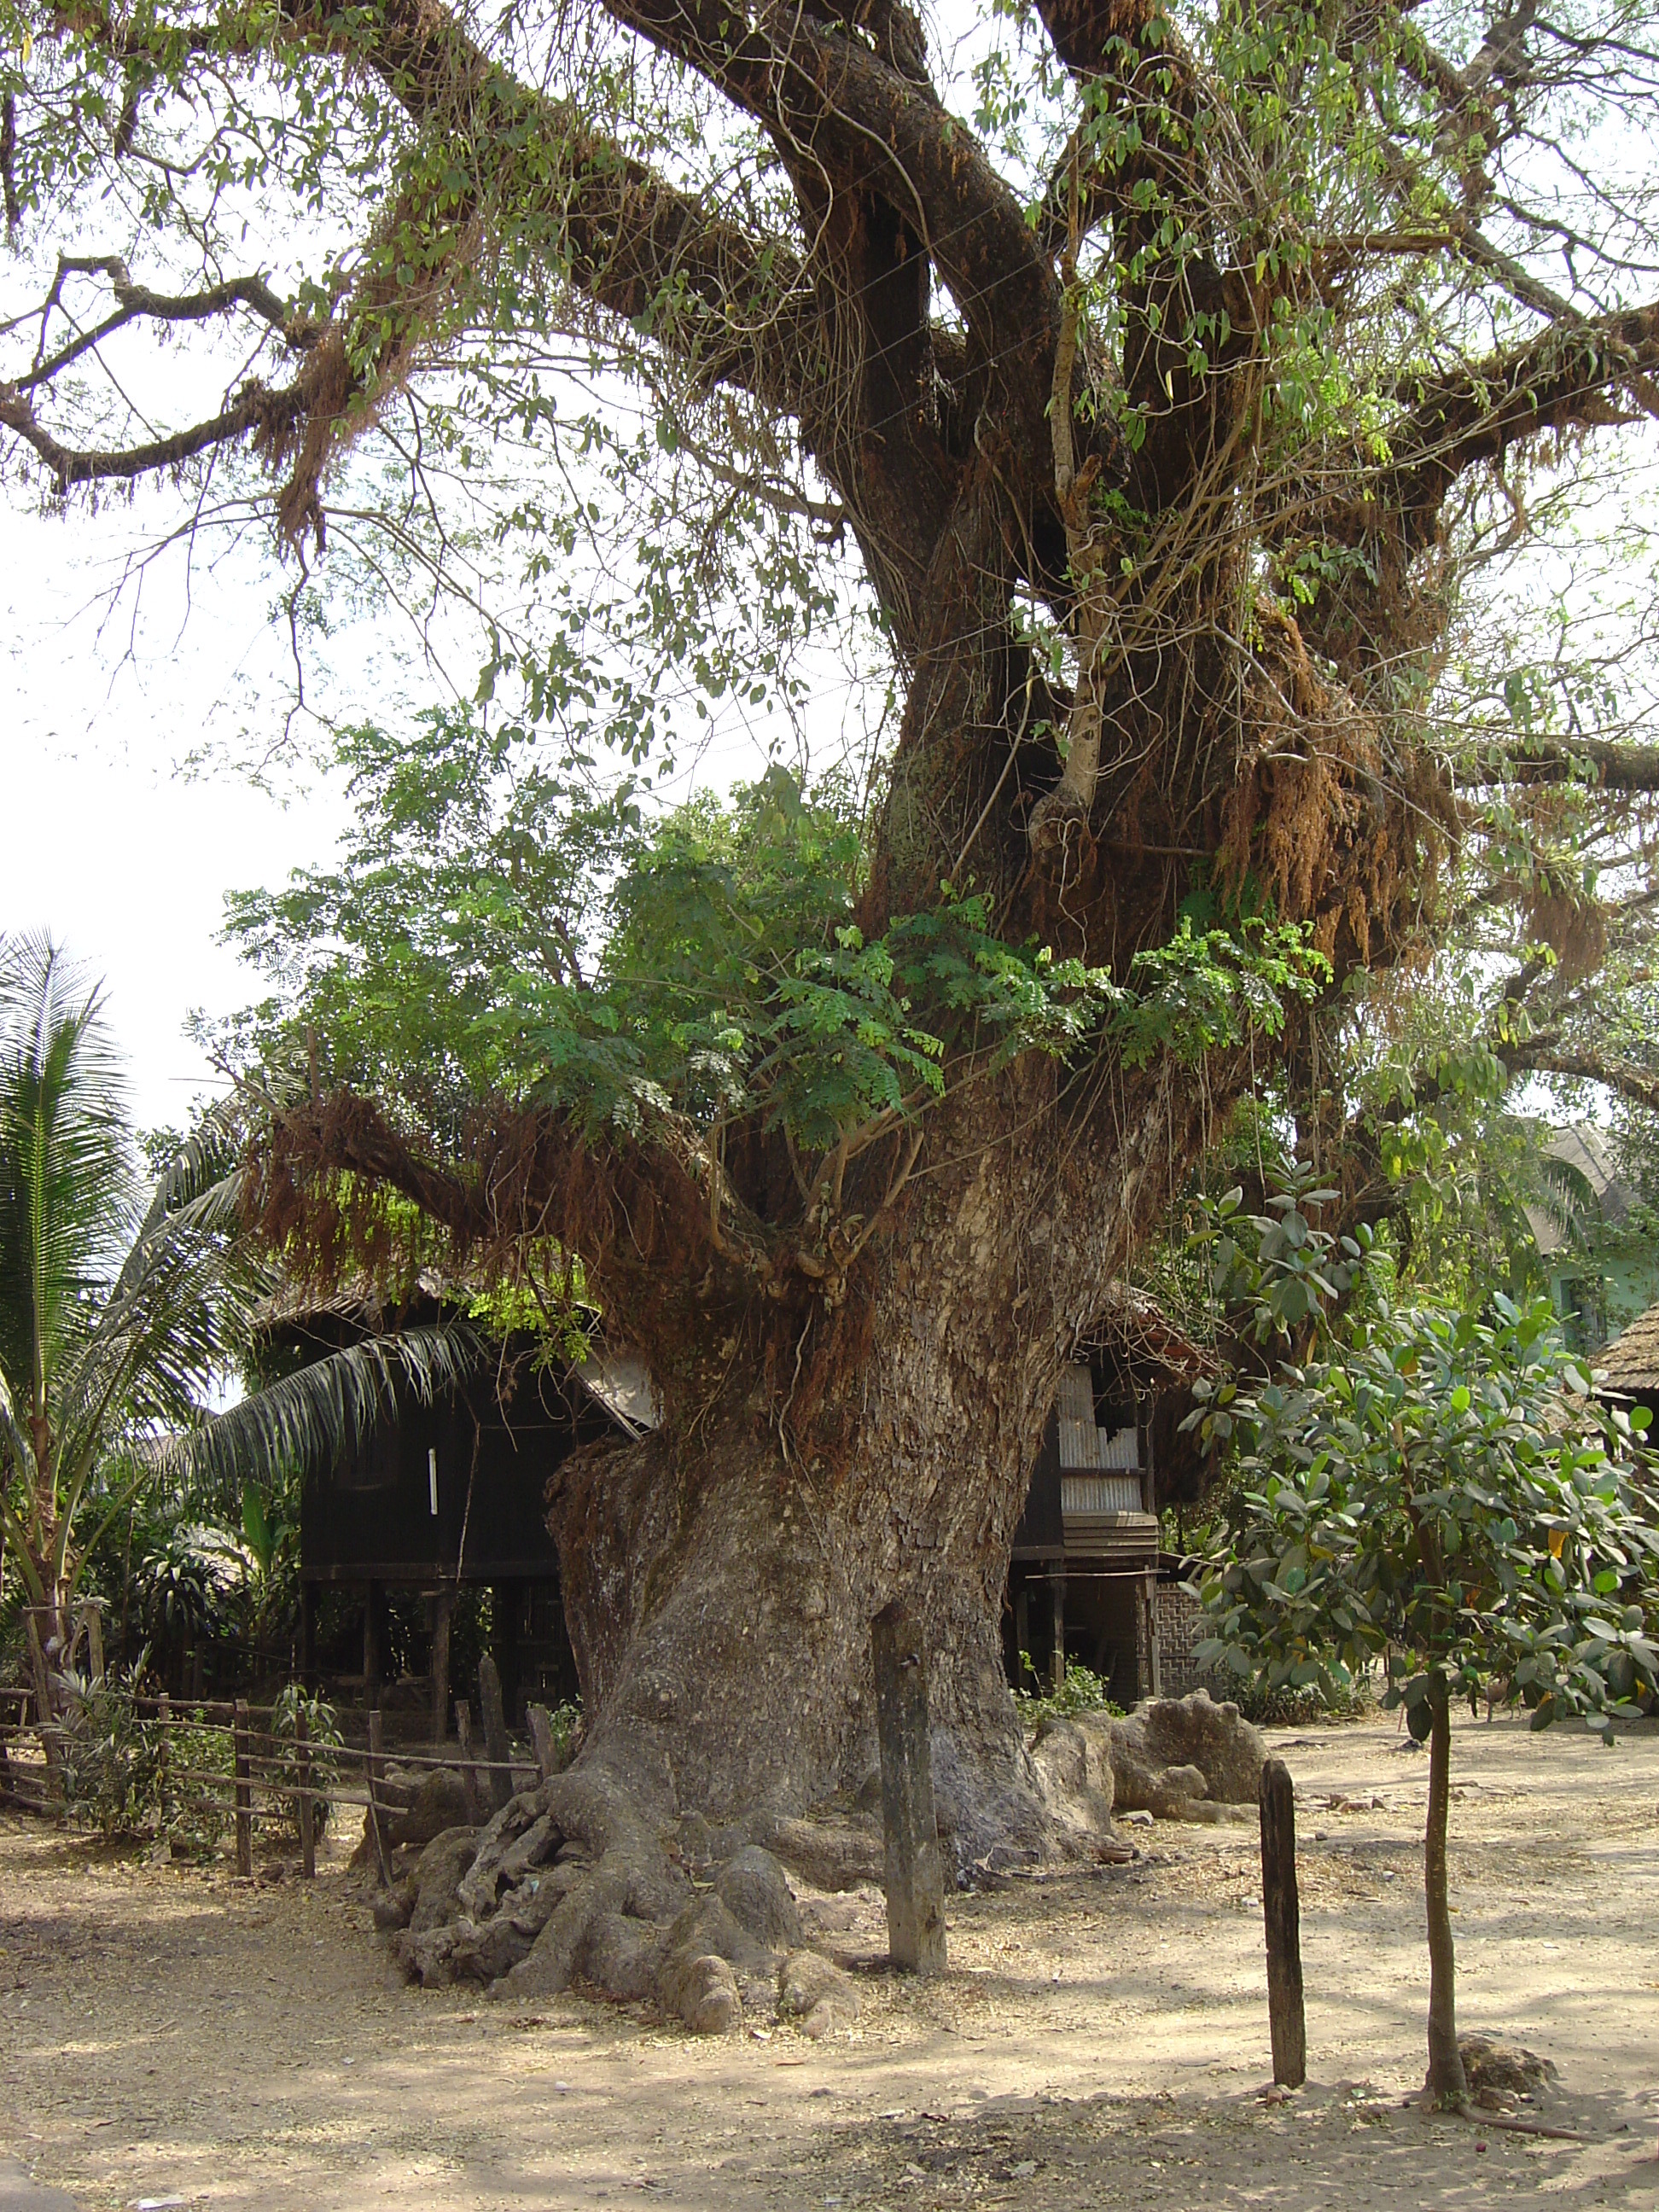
(1323, 821)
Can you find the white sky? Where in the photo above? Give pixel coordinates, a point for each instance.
(122, 859)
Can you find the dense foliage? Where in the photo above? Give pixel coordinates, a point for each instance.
(491, 932)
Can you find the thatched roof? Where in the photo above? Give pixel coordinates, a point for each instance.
(1631, 1362)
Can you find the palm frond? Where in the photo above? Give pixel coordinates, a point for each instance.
(67, 1174)
(1567, 1198)
(199, 1191)
(307, 1420)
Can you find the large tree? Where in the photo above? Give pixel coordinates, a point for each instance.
(1166, 398)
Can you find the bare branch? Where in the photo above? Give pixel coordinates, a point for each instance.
(138, 302)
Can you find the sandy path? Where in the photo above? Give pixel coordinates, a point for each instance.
(171, 2033)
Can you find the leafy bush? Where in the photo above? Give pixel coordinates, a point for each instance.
(1284, 1707)
(132, 1778)
(566, 1723)
(178, 1593)
(1082, 1691)
(323, 1738)
(111, 1759)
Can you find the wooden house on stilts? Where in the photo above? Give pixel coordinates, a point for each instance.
(1088, 1583)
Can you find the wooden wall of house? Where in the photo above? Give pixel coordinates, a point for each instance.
(370, 1518)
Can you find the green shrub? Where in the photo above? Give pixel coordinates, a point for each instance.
(324, 1739)
(1083, 1691)
(135, 1779)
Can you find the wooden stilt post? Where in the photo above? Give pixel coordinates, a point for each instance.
(496, 1742)
(914, 1870)
(371, 1647)
(308, 1639)
(469, 1773)
(1057, 1651)
(376, 1761)
(1282, 1914)
(443, 1612)
(244, 1789)
(307, 1808)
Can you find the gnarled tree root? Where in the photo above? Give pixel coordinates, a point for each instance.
(582, 1880)
(572, 1882)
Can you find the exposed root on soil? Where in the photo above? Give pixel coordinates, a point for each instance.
(571, 1883)
(580, 1880)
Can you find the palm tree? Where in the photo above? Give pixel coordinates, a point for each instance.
(123, 1301)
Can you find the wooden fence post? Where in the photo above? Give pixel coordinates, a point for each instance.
(163, 1778)
(914, 1873)
(1057, 1653)
(541, 1734)
(308, 1639)
(307, 1810)
(376, 1744)
(1282, 1913)
(496, 1742)
(244, 1790)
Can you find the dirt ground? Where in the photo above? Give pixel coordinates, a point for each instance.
(171, 2033)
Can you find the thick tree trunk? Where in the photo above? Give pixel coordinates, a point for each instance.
(721, 1576)
(1445, 2084)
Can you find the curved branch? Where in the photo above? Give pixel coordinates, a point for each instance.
(137, 302)
(1567, 377)
(257, 411)
(730, 303)
(1545, 1055)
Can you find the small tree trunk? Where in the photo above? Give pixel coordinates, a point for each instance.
(1446, 2085)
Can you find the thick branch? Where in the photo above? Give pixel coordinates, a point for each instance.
(847, 119)
(1594, 760)
(610, 227)
(257, 412)
(1563, 379)
(1547, 1055)
(1155, 184)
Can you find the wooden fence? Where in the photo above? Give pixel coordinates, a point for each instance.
(275, 1779)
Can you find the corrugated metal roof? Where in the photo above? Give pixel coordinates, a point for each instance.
(1082, 1443)
(1631, 1362)
(1099, 1493)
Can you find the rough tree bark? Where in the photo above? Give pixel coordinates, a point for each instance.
(721, 1576)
